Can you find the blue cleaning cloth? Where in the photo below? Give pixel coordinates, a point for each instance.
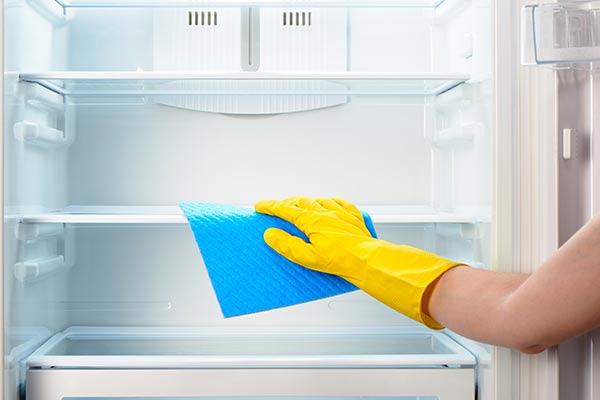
(247, 275)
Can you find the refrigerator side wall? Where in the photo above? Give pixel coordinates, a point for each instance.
(33, 177)
(526, 204)
(2, 194)
(537, 203)
(504, 253)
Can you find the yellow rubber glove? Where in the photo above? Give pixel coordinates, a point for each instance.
(341, 244)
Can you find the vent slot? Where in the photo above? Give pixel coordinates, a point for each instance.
(202, 18)
(297, 18)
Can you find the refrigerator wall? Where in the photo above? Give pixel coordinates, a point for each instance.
(131, 151)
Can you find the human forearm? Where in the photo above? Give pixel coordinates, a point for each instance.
(474, 302)
(559, 301)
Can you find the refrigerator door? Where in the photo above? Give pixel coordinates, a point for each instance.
(579, 201)
(564, 38)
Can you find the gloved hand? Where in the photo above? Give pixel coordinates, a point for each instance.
(340, 244)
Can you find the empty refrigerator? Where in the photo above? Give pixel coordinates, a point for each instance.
(116, 111)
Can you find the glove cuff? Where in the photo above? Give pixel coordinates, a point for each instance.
(425, 318)
(423, 295)
(400, 277)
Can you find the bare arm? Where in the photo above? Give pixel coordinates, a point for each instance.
(559, 301)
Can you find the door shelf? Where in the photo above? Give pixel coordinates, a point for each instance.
(563, 35)
(127, 84)
(248, 3)
(173, 215)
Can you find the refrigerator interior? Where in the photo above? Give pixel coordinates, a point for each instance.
(117, 111)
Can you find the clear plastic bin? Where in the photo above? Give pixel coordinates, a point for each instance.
(563, 34)
(249, 364)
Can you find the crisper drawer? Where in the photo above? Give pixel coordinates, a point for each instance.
(238, 364)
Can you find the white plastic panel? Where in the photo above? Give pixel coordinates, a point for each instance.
(186, 40)
(303, 39)
(34, 35)
(252, 39)
(442, 384)
(240, 160)
(203, 40)
(404, 37)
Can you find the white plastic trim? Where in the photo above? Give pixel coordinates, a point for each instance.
(34, 269)
(118, 75)
(56, 384)
(250, 3)
(458, 135)
(50, 9)
(36, 336)
(2, 266)
(174, 215)
(34, 133)
(527, 227)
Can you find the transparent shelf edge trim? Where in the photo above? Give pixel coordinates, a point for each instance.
(43, 356)
(111, 83)
(426, 4)
(434, 361)
(173, 215)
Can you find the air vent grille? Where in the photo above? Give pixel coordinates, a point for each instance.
(202, 18)
(297, 18)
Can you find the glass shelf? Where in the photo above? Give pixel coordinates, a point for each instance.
(118, 84)
(563, 35)
(126, 347)
(247, 3)
(173, 215)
